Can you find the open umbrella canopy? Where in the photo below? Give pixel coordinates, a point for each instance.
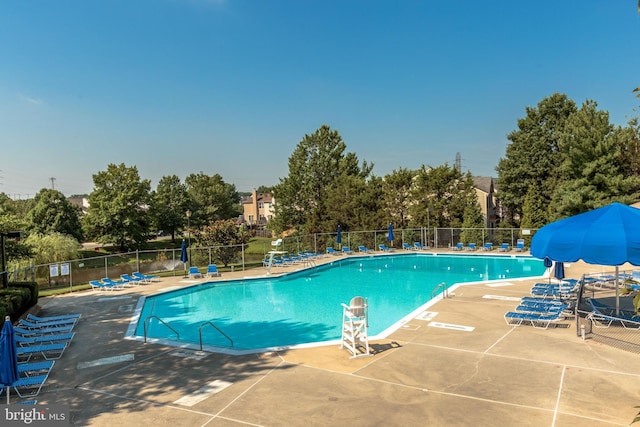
(606, 236)
(609, 235)
(390, 233)
(8, 356)
(183, 252)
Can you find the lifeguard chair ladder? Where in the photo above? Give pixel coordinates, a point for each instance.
(355, 322)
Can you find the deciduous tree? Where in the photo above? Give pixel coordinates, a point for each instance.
(226, 238)
(169, 204)
(212, 199)
(52, 212)
(117, 207)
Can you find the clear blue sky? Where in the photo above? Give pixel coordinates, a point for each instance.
(232, 86)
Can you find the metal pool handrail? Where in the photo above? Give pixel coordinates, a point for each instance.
(214, 327)
(146, 321)
(445, 290)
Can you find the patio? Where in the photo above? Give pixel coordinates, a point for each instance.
(459, 364)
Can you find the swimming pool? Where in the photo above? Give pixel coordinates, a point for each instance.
(304, 307)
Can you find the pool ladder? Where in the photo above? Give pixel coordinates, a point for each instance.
(441, 287)
(214, 327)
(148, 319)
(146, 326)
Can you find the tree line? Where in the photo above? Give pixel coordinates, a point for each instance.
(561, 160)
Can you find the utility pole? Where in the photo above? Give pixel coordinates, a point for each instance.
(53, 185)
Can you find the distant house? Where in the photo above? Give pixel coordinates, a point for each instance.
(486, 198)
(258, 209)
(81, 202)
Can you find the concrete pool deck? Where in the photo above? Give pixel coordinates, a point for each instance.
(429, 372)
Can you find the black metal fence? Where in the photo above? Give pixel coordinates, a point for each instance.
(167, 261)
(605, 312)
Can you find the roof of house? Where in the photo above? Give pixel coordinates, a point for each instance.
(484, 183)
(262, 197)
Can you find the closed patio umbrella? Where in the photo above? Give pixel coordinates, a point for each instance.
(548, 263)
(558, 270)
(609, 235)
(390, 234)
(183, 256)
(339, 237)
(8, 357)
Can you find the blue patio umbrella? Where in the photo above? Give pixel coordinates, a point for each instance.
(8, 357)
(390, 233)
(548, 262)
(609, 235)
(558, 270)
(183, 255)
(339, 236)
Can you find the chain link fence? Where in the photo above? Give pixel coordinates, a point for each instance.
(167, 261)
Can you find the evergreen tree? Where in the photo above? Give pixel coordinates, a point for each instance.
(592, 175)
(397, 190)
(533, 156)
(317, 164)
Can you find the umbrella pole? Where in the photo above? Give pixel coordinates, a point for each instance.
(617, 294)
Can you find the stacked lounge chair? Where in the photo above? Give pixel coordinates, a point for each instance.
(539, 312)
(41, 339)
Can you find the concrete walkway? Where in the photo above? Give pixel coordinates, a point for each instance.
(434, 371)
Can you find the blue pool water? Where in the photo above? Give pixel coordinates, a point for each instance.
(304, 307)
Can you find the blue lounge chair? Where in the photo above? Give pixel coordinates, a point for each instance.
(45, 330)
(407, 247)
(35, 368)
(212, 271)
(129, 280)
(384, 248)
(419, 246)
(146, 278)
(519, 245)
(363, 249)
(27, 324)
(34, 318)
(115, 284)
(603, 316)
(504, 247)
(47, 351)
(346, 250)
(29, 386)
(537, 320)
(487, 246)
(96, 285)
(458, 247)
(43, 338)
(331, 251)
(194, 273)
(471, 247)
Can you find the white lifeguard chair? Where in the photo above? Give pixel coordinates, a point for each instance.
(355, 322)
(275, 250)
